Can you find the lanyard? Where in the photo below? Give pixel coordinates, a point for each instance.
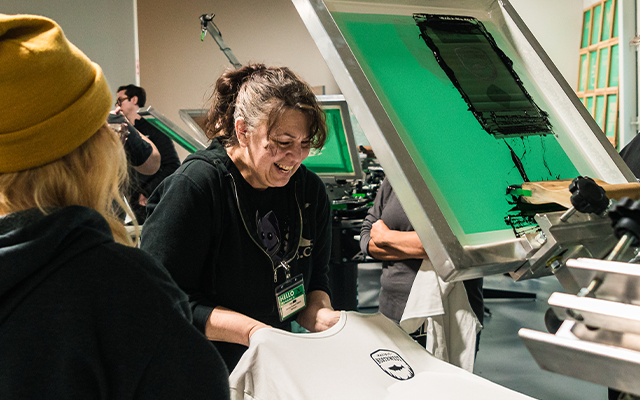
(284, 264)
(287, 271)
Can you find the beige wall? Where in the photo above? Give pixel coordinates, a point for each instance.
(557, 25)
(177, 70)
(104, 31)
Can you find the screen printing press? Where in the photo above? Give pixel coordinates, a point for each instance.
(481, 137)
(478, 132)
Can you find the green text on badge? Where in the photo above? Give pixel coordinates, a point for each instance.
(291, 301)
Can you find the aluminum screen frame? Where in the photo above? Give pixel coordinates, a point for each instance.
(191, 116)
(171, 130)
(338, 101)
(451, 259)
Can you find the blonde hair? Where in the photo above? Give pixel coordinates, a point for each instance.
(93, 175)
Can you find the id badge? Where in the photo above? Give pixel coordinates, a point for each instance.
(290, 297)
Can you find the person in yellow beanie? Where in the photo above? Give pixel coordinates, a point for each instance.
(83, 314)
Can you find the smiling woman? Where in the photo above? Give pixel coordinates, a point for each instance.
(243, 224)
(269, 160)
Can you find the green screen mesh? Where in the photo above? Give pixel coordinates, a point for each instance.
(466, 169)
(334, 158)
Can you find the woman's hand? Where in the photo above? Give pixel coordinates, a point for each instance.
(256, 328)
(326, 318)
(318, 315)
(391, 245)
(380, 233)
(226, 325)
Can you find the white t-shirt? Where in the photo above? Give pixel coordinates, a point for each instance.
(364, 356)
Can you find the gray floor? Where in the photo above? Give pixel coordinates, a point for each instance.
(503, 358)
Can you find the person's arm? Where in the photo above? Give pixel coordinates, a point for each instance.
(225, 325)
(142, 154)
(179, 232)
(373, 215)
(184, 365)
(382, 243)
(391, 245)
(318, 315)
(169, 159)
(178, 361)
(152, 163)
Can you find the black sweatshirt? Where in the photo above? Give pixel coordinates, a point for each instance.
(196, 230)
(82, 317)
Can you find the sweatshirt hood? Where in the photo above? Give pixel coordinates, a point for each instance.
(214, 154)
(34, 245)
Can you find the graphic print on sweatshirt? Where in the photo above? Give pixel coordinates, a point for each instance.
(272, 237)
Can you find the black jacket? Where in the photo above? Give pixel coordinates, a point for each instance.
(146, 184)
(82, 317)
(196, 230)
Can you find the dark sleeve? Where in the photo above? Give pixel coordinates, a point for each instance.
(184, 366)
(181, 362)
(373, 215)
(322, 246)
(179, 231)
(169, 160)
(138, 151)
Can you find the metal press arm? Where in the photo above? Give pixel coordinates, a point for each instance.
(206, 24)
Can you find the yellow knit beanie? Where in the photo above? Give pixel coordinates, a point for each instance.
(52, 97)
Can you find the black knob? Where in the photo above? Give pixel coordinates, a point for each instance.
(587, 196)
(625, 219)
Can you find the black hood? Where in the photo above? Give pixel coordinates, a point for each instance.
(34, 245)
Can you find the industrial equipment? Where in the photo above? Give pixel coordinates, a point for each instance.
(599, 340)
(173, 131)
(207, 25)
(471, 120)
(462, 107)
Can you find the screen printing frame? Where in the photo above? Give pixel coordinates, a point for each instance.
(325, 101)
(452, 259)
(189, 117)
(175, 133)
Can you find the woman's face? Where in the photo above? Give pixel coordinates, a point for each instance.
(272, 161)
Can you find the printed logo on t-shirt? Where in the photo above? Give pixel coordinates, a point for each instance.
(391, 363)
